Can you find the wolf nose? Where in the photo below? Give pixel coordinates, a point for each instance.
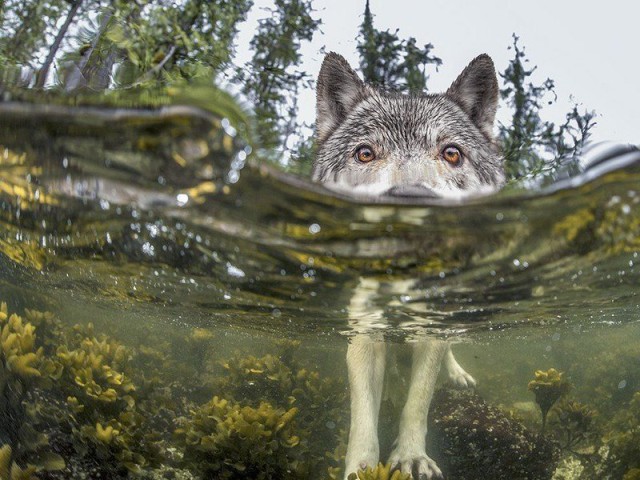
(412, 191)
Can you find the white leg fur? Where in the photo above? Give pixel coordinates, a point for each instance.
(409, 453)
(365, 365)
(457, 375)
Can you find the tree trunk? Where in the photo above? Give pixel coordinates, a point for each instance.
(41, 78)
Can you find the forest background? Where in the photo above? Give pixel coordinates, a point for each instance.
(98, 46)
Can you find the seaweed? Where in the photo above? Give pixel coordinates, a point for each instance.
(379, 472)
(632, 474)
(23, 368)
(575, 423)
(264, 389)
(67, 391)
(10, 470)
(548, 386)
(472, 440)
(622, 441)
(226, 440)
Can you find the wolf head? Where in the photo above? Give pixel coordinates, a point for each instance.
(375, 142)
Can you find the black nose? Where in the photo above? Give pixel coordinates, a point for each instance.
(412, 191)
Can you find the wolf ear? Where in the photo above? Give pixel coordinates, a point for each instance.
(476, 91)
(339, 90)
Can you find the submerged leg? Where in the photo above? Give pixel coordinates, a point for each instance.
(365, 365)
(365, 362)
(457, 375)
(409, 453)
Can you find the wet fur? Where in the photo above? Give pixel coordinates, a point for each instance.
(408, 134)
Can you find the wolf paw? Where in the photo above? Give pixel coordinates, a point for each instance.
(420, 466)
(359, 457)
(460, 378)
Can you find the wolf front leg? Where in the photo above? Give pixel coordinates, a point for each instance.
(409, 453)
(365, 364)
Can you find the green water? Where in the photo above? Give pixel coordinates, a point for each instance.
(177, 268)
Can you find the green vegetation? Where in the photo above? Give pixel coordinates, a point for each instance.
(75, 402)
(68, 389)
(575, 422)
(548, 386)
(532, 146)
(379, 472)
(151, 53)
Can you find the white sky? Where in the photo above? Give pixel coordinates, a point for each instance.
(590, 47)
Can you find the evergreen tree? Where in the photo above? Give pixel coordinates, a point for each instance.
(271, 81)
(390, 62)
(531, 145)
(415, 64)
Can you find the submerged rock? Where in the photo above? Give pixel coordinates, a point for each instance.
(472, 439)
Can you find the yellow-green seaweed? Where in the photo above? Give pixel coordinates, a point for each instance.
(575, 421)
(9, 470)
(228, 440)
(379, 472)
(623, 441)
(632, 474)
(548, 386)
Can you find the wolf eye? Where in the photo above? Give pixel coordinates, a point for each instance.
(365, 154)
(452, 155)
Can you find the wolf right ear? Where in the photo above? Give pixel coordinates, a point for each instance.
(476, 91)
(338, 90)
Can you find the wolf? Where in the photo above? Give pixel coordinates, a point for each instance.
(372, 142)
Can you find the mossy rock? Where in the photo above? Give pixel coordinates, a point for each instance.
(472, 439)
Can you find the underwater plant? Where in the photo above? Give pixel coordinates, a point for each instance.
(275, 383)
(225, 440)
(611, 226)
(379, 472)
(67, 389)
(473, 440)
(623, 442)
(23, 368)
(548, 386)
(10, 470)
(575, 421)
(633, 474)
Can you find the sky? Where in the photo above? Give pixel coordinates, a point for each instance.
(589, 48)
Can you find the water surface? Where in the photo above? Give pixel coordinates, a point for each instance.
(163, 230)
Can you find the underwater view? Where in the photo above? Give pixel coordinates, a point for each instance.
(172, 308)
(246, 240)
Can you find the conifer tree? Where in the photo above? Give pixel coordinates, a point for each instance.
(272, 80)
(390, 62)
(531, 145)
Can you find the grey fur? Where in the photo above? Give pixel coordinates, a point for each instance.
(407, 133)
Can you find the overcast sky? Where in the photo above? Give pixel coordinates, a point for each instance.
(590, 48)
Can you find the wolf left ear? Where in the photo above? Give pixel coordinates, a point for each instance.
(476, 91)
(339, 90)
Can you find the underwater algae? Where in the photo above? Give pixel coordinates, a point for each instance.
(476, 440)
(548, 386)
(75, 403)
(379, 472)
(96, 416)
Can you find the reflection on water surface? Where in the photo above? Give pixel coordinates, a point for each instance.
(200, 309)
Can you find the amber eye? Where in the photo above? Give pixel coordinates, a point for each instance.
(365, 154)
(452, 155)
